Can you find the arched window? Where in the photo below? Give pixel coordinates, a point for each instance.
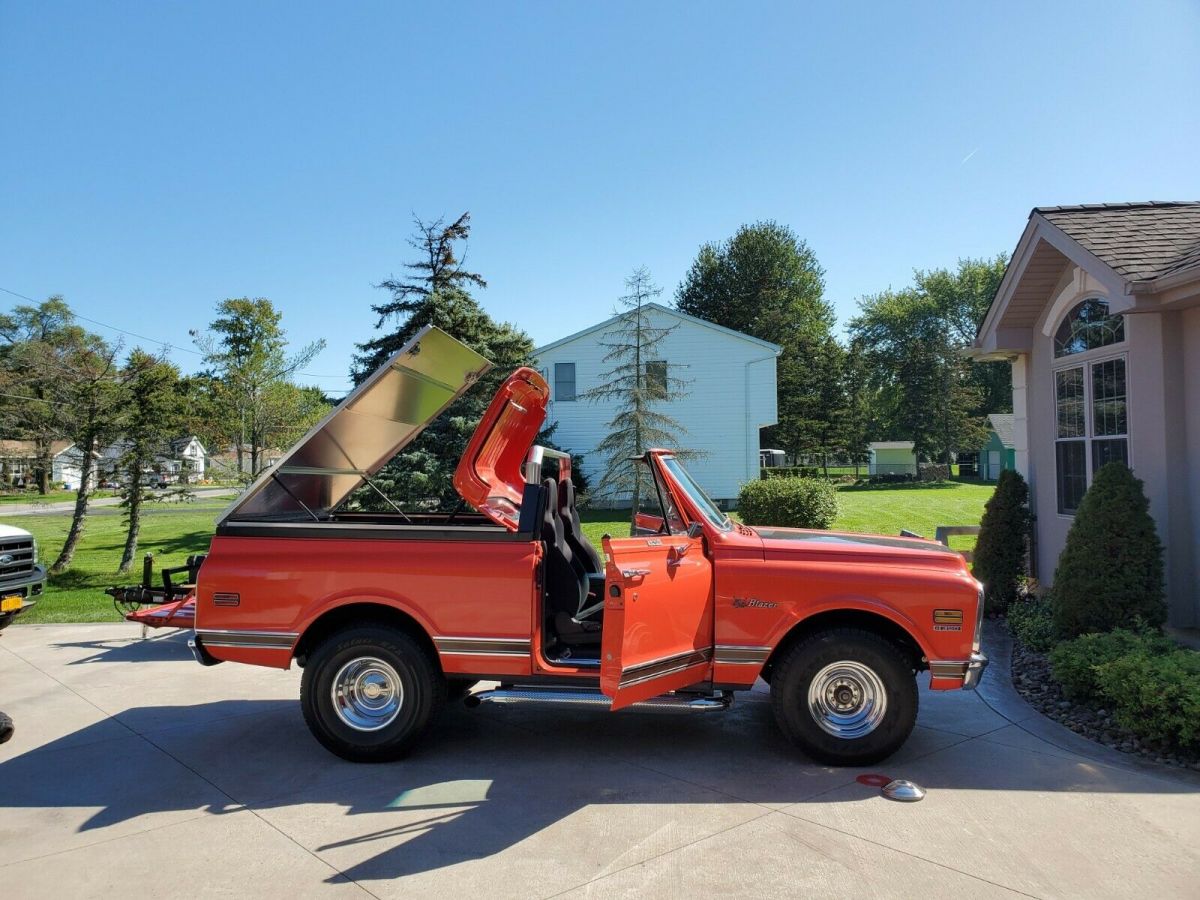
(1088, 326)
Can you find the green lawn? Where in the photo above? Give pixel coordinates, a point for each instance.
(919, 507)
(874, 509)
(170, 532)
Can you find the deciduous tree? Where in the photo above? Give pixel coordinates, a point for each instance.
(766, 282)
(246, 350)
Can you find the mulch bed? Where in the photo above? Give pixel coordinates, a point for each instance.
(1034, 680)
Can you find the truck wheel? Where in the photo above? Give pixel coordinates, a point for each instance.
(846, 697)
(5, 621)
(369, 691)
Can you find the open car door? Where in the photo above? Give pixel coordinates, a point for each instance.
(658, 616)
(490, 476)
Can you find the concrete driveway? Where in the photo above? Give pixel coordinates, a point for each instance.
(135, 771)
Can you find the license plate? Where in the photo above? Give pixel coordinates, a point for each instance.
(10, 603)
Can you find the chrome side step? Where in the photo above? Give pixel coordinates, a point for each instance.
(517, 696)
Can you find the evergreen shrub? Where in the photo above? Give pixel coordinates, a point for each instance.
(1110, 574)
(1001, 550)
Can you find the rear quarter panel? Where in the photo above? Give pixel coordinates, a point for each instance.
(459, 589)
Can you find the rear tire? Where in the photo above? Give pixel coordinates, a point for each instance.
(7, 620)
(846, 697)
(369, 691)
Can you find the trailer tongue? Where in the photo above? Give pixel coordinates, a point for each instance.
(169, 605)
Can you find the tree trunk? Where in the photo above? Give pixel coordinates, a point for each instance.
(77, 519)
(135, 518)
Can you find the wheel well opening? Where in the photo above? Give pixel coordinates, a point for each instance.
(846, 618)
(365, 613)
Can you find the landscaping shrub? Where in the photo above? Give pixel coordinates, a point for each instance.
(1111, 570)
(1032, 622)
(1000, 552)
(790, 472)
(892, 478)
(1156, 695)
(1077, 663)
(934, 472)
(789, 502)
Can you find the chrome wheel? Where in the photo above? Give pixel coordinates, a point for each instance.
(847, 699)
(367, 694)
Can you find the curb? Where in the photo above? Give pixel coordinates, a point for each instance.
(998, 693)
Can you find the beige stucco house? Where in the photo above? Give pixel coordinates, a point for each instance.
(1099, 314)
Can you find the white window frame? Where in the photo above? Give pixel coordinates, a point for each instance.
(1086, 360)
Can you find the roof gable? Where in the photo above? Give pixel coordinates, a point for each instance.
(1127, 248)
(1138, 241)
(685, 317)
(1002, 425)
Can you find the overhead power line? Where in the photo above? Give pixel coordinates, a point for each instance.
(167, 344)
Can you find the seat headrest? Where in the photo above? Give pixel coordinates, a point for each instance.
(552, 526)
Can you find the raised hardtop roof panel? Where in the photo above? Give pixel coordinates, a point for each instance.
(370, 426)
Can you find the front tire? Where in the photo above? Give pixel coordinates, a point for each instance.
(368, 693)
(846, 697)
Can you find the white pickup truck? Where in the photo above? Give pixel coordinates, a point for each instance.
(22, 580)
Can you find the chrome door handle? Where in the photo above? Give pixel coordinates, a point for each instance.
(635, 573)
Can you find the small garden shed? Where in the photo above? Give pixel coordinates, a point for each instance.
(891, 458)
(999, 453)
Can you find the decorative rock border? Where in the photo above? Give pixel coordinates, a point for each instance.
(1033, 678)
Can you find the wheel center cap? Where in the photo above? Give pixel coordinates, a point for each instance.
(373, 691)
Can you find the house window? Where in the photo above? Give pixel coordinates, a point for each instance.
(656, 379)
(1090, 409)
(1088, 326)
(564, 381)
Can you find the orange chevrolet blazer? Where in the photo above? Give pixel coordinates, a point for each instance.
(389, 615)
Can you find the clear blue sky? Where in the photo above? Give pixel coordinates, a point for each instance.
(155, 158)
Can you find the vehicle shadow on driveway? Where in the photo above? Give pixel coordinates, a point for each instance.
(163, 647)
(574, 787)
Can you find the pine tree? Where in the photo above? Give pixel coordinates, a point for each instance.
(640, 384)
(153, 417)
(436, 292)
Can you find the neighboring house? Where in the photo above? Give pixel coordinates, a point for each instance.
(999, 452)
(19, 460)
(731, 394)
(1099, 315)
(186, 460)
(891, 458)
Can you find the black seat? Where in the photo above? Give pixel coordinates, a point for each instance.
(573, 531)
(567, 584)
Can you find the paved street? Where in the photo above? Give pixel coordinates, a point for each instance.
(136, 772)
(66, 506)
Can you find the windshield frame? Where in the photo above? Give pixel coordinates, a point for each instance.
(703, 504)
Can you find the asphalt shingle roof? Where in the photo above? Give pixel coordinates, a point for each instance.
(1002, 424)
(1140, 241)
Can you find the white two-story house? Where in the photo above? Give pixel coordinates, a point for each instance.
(730, 395)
